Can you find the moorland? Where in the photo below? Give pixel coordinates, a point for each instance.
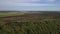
(30, 22)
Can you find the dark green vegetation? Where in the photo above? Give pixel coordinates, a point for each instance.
(30, 23)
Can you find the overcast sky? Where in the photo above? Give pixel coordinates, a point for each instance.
(43, 5)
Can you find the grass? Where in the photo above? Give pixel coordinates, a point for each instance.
(10, 14)
(28, 24)
(47, 26)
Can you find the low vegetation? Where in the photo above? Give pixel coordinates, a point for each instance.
(31, 23)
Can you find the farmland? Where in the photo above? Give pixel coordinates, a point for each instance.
(32, 22)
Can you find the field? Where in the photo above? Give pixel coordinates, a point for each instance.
(32, 22)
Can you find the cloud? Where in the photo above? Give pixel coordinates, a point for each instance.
(32, 0)
(42, 4)
(27, 5)
(32, 4)
(36, 0)
(23, 3)
(26, 0)
(51, 0)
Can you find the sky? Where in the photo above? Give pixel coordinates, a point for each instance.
(30, 5)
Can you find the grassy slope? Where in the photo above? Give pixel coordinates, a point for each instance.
(10, 14)
(31, 26)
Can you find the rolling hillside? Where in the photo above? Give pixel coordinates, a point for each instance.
(31, 23)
